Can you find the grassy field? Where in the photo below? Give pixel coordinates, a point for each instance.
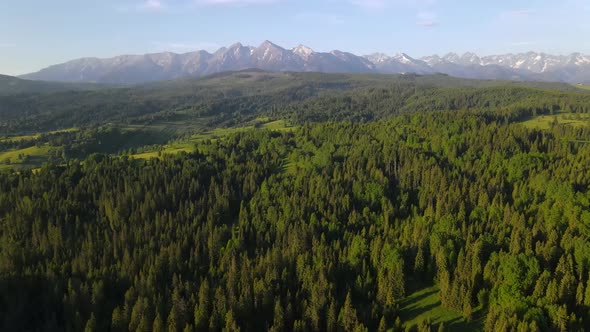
(585, 87)
(545, 121)
(155, 135)
(32, 137)
(280, 125)
(425, 304)
(19, 138)
(171, 148)
(188, 145)
(34, 156)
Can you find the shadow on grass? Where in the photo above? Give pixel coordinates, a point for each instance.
(460, 325)
(425, 304)
(411, 299)
(419, 310)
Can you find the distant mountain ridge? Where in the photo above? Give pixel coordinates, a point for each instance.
(133, 69)
(10, 85)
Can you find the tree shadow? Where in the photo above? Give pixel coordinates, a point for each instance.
(460, 325)
(409, 300)
(29, 304)
(417, 311)
(38, 303)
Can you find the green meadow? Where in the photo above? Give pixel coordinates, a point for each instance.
(188, 145)
(546, 121)
(35, 136)
(424, 306)
(147, 141)
(32, 156)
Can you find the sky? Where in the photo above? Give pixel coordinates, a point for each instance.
(38, 33)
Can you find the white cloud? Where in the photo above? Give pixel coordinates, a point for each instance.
(370, 4)
(153, 5)
(381, 4)
(143, 6)
(236, 2)
(175, 6)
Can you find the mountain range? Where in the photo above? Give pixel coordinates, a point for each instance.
(134, 69)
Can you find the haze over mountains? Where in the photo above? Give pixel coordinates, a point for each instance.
(10, 85)
(132, 69)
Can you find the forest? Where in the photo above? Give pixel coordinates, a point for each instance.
(376, 193)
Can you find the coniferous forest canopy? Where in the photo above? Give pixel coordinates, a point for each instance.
(382, 193)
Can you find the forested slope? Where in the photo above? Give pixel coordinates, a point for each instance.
(10, 85)
(230, 99)
(327, 227)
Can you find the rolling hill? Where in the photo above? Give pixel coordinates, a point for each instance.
(230, 98)
(10, 85)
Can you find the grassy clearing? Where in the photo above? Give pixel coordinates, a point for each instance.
(32, 156)
(171, 148)
(425, 304)
(280, 125)
(36, 136)
(582, 86)
(19, 138)
(146, 155)
(189, 145)
(33, 151)
(155, 136)
(544, 122)
(180, 125)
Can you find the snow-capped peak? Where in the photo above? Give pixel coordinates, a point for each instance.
(471, 58)
(236, 45)
(570, 68)
(404, 58)
(451, 57)
(432, 60)
(268, 44)
(579, 59)
(303, 51)
(378, 58)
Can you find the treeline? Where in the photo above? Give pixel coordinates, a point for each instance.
(80, 143)
(374, 104)
(234, 99)
(326, 228)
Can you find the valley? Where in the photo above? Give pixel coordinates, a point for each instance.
(167, 117)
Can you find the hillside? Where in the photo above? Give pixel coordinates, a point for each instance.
(10, 85)
(337, 226)
(155, 177)
(229, 99)
(318, 202)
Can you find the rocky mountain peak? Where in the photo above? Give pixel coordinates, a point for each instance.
(129, 69)
(303, 51)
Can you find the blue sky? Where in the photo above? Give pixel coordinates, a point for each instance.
(37, 33)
